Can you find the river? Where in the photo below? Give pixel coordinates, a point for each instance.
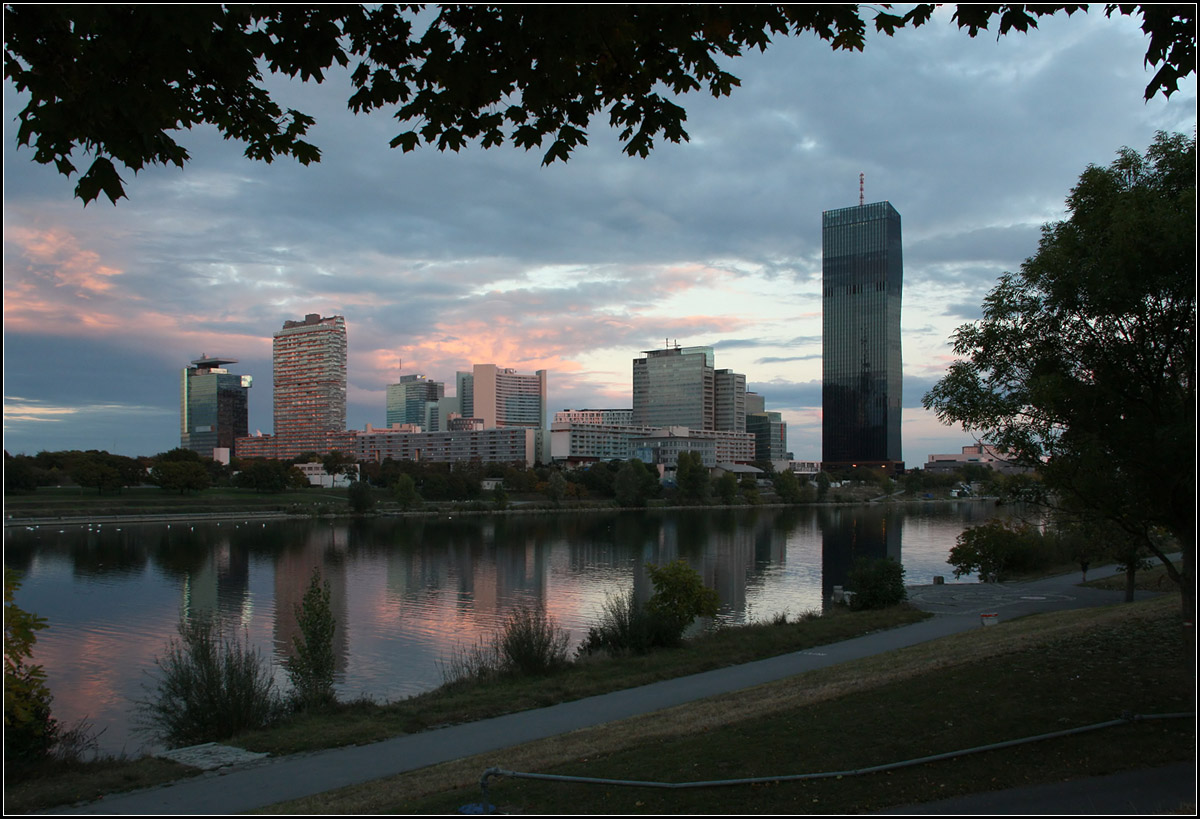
(407, 592)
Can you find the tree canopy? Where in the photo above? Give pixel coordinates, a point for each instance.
(1084, 362)
(116, 82)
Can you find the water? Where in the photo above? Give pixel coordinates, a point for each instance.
(407, 592)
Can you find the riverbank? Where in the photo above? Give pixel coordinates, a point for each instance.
(357, 723)
(886, 705)
(151, 505)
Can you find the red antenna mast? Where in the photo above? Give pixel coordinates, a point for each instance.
(861, 178)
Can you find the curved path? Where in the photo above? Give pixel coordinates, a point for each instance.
(263, 782)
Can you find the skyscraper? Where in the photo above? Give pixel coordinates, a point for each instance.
(862, 270)
(213, 408)
(408, 401)
(310, 383)
(674, 387)
(502, 397)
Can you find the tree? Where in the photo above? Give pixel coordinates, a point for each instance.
(337, 463)
(29, 730)
(1083, 365)
(727, 488)
(181, 476)
(877, 583)
(115, 82)
(634, 484)
(360, 497)
(680, 596)
(405, 492)
(692, 479)
(311, 666)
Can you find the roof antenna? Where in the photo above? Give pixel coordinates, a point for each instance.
(861, 178)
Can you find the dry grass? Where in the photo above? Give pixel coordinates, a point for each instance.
(803, 690)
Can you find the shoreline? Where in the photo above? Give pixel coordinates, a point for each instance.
(172, 517)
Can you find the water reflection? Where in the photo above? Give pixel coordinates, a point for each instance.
(407, 592)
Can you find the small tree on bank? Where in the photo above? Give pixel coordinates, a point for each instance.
(311, 666)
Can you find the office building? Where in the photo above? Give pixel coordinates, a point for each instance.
(502, 397)
(862, 271)
(213, 406)
(770, 435)
(673, 387)
(310, 384)
(408, 402)
(729, 401)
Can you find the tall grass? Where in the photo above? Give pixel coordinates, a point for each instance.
(529, 643)
(210, 686)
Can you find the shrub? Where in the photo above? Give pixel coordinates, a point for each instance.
(995, 550)
(210, 687)
(877, 583)
(680, 596)
(626, 627)
(311, 667)
(531, 643)
(360, 496)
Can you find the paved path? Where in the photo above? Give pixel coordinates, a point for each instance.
(244, 787)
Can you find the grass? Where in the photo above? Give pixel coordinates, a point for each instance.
(365, 721)
(1032, 676)
(77, 502)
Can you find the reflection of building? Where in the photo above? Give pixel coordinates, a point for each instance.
(213, 406)
(414, 401)
(310, 384)
(862, 270)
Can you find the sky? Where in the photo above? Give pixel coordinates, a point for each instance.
(439, 261)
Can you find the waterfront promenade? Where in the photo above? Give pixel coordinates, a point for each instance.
(957, 607)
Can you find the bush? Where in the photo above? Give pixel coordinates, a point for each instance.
(531, 643)
(311, 667)
(360, 496)
(996, 550)
(626, 627)
(877, 583)
(680, 596)
(210, 687)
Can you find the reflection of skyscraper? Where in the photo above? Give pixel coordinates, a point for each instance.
(213, 408)
(862, 269)
(310, 383)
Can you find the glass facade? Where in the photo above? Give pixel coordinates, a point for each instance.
(674, 388)
(214, 406)
(407, 402)
(862, 271)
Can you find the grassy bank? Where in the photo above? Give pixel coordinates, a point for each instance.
(363, 722)
(1036, 675)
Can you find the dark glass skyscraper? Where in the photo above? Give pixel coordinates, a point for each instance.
(863, 276)
(213, 406)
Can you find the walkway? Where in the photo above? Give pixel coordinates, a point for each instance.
(259, 784)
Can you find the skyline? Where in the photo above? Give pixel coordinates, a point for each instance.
(443, 261)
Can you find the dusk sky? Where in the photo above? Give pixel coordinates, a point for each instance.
(439, 261)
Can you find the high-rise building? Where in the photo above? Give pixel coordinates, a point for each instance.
(408, 402)
(729, 401)
(673, 387)
(213, 405)
(310, 384)
(862, 270)
(502, 397)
